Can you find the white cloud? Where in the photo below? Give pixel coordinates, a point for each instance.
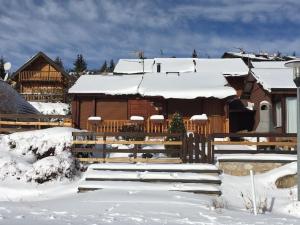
(112, 29)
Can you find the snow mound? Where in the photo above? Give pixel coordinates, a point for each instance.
(49, 108)
(39, 156)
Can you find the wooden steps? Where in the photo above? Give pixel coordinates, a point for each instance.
(196, 178)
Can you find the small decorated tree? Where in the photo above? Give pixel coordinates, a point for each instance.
(177, 125)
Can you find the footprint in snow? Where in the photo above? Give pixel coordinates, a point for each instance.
(133, 192)
(60, 213)
(51, 217)
(19, 217)
(112, 208)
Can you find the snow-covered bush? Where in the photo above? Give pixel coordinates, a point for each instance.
(52, 167)
(38, 156)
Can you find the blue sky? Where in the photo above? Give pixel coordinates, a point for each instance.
(106, 29)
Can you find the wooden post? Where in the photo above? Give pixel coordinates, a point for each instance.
(197, 147)
(184, 148)
(104, 148)
(191, 148)
(135, 149)
(209, 149)
(203, 155)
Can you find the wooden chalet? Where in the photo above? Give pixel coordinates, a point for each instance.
(41, 79)
(116, 99)
(271, 83)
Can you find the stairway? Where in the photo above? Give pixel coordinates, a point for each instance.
(196, 178)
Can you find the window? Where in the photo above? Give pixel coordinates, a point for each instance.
(158, 67)
(278, 114)
(291, 115)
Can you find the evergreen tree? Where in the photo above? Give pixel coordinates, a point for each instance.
(59, 62)
(2, 71)
(111, 66)
(103, 67)
(294, 53)
(194, 55)
(79, 64)
(177, 125)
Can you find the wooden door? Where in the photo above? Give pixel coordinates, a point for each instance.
(86, 110)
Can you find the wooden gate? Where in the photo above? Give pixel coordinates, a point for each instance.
(139, 147)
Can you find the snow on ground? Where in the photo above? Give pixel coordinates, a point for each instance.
(277, 200)
(49, 108)
(128, 207)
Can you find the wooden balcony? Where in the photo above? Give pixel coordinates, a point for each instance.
(47, 97)
(51, 76)
(214, 124)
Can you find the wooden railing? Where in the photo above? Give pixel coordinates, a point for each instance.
(40, 76)
(213, 124)
(178, 148)
(22, 122)
(45, 97)
(275, 143)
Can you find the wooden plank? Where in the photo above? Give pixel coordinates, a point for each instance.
(127, 142)
(271, 151)
(242, 135)
(17, 123)
(173, 180)
(131, 160)
(127, 134)
(125, 150)
(33, 116)
(254, 143)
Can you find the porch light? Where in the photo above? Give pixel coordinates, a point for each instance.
(295, 64)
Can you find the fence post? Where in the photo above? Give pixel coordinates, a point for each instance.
(104, 148)
(184, 148)
(209, 149)
(191, 148)
(197, 147)
(202, 152)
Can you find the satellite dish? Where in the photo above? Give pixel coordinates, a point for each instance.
(7, 66)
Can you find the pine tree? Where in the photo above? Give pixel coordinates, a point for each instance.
(59, 62)
(194, 55)
(2, 71)
(79, 64)
(111, 66)
(177, 125)
(103, 67)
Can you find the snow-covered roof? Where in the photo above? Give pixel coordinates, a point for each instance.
(223, 66)
(249, 55)
(269, 65)
(111, 85)
(185, 86)
(227, 67)
(171, 85)
(273, 75)
(133, 66)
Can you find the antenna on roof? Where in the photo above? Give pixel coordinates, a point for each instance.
(161, 52)
(7, 67)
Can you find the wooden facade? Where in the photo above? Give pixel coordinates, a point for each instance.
(121, 108)
(40, 79)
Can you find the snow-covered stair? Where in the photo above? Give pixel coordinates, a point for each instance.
(197, 178)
